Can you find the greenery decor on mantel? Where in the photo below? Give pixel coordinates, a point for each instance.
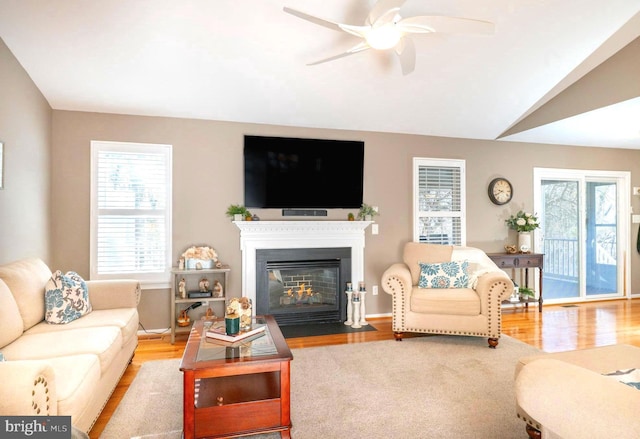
(237, 209)
(367, 212)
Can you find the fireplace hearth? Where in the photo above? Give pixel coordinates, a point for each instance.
(304, 285)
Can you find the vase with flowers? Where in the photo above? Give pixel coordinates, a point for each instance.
(524, 223)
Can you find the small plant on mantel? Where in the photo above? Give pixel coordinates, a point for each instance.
(237, 209)
(366, 211)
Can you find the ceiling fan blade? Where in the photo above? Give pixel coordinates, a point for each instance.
(450, 25)
(384, 11)
(406, 51)
(355, 49)
(358, 31)
(312, 19)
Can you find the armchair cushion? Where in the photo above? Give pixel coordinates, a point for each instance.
(417, 252)
(444, 275)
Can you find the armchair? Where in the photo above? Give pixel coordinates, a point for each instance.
(473, 309)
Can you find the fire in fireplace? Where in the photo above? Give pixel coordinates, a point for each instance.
(302, 285)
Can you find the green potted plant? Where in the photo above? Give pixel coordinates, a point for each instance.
(526, 293)
(367, 212)
(237, 212)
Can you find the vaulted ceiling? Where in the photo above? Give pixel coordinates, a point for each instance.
(554, 71)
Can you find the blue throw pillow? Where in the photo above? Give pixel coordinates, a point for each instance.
(454, 274)
(630, 377)
(66, 298)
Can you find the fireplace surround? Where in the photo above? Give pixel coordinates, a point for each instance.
(255, 235)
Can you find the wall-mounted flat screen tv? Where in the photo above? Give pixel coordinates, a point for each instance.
(281, 172)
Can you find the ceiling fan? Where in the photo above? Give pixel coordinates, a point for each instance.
(385, 29)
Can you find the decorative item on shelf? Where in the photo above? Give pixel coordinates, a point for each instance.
(366, 212)
(511, 249)
(200, 257)
(218, 291)
(182, 288)
(524, 223)
(237, 212)
(351, 217)
(204, 285)
(183, 319)
(255, 217)
(181, 264)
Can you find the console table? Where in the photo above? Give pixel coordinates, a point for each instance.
(521, 261)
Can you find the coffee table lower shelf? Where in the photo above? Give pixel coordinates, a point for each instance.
(232, 404)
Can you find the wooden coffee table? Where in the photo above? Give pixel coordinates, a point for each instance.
(236, 389)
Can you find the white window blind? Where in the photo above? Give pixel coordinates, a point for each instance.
(131, 211)
(439, 201)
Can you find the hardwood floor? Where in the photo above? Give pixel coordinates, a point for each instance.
(558, 328)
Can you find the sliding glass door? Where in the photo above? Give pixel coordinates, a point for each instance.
(584, 232)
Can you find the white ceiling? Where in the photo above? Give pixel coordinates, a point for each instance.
(245, 61)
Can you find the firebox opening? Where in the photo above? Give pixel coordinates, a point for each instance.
(300, 286)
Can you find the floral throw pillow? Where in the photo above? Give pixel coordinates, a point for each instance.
(630, 377)
(454, 274)
(66, 298)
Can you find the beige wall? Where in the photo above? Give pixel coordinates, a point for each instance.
(207, 175)
(25, 130)
(53, 223)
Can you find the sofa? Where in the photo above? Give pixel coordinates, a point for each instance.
(67, 369)
(580, 393)
(443, 304)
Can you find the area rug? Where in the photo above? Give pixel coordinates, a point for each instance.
(314, 329)
(434, 386)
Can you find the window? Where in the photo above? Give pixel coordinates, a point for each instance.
(131, 212)
(439, 201)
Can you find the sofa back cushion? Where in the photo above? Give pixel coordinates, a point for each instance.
(416, 253)
(26, 280)
(12, 325)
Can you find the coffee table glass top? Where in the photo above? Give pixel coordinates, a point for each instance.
(257, 345)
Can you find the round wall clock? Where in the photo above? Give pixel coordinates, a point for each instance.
(500, 191)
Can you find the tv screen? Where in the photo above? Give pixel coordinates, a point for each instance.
(282, 172)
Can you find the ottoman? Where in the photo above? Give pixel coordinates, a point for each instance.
(567, 395)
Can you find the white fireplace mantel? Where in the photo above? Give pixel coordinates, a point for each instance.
(256, 235)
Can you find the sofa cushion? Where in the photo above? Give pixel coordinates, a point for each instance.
(461, 302)
(125, 319)
(26, 280)
(12, 325)
(417, 252)
(66, 298)
(104, 342)
(444, 275)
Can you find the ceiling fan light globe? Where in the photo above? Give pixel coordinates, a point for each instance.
(384, 37)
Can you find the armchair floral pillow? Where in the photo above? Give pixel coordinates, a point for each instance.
(454, 274)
